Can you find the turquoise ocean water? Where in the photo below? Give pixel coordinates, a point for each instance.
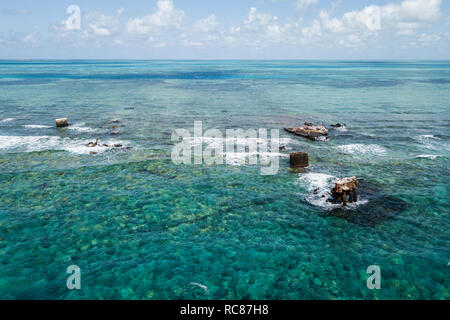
(141, 227)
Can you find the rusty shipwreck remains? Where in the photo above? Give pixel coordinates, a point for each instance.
(344, 191)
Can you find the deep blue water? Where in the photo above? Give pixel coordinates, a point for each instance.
(141, 227)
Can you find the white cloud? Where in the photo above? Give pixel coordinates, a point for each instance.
(411, 15)
(189, 43)
(427, 38)
(313, 31)
(262, 30)
(30, 39)
(166, 16)
(256, 19)
(362, 27)
(370, 17)
(96, 24)
(96, 29)
(19, 39)
(305, 3)
(207, 25)
(166, 26)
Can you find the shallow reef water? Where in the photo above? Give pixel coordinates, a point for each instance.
(141, 227)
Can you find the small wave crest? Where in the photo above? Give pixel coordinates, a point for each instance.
(427, 156)
(319, 186)
(239, 142)
(432, 142)
(370, 149)
(201, 286)
(42, 143)
(81, 127)
(36, 126)
(341, 129)
(241, 158)
(243, 154)
(426, 137)
(7, 120)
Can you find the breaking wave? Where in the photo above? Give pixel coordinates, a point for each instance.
(427, 156)
(242, 154)
(239, 142)
(342, 129)
(430, 141)
(81, 127)
(43, 143)
(319, 186)
(36, 126)
(241, 158)
(7, 120)
(371, 149)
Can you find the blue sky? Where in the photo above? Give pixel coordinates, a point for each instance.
(233, 29)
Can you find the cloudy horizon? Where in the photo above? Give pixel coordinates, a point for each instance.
(261, 29)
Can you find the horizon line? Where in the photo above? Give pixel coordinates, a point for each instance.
(230, 59)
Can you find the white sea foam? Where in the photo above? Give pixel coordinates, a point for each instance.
(100, 148)
(242, 154)
(427, 137)
(201, 286)
(322, 138)
(240, 158)
(240, 142)
(41, 143)
(317, 180)
(27, 143)
(7, 120)
(342, 129)
(428, 140)
(370, 149)
(80, 127)
(36, 126)
(432, 142)
(427, 156)
(319, 186)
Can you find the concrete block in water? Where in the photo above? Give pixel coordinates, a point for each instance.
(299, 159)
(61, 123)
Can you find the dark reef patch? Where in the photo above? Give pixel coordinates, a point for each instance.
(379, 208)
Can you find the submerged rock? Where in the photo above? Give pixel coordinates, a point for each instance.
(372, 213)
(339, 127)
(310, 131)
(376, 208)
(92, 144)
